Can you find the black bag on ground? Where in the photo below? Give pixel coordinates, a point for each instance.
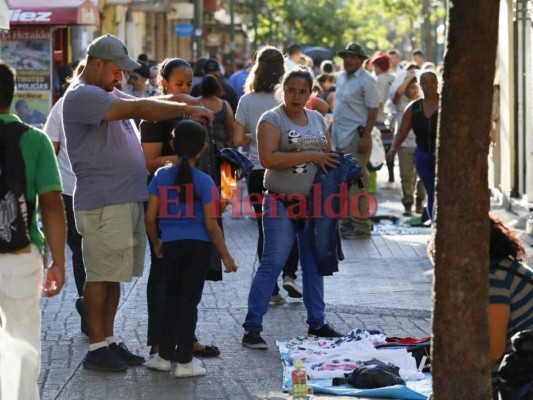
(516, 369)
(15, 212)
(374, 374)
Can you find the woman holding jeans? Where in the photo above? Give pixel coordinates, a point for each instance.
(422, 116)
(293, 143)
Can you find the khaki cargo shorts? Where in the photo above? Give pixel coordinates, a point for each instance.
(114, 242)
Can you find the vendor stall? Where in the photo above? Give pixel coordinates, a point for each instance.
(38, 45)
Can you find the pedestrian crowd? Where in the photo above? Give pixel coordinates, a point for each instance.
(133, 152)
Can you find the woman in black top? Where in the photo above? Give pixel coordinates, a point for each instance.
(422, 116)
(174, 78)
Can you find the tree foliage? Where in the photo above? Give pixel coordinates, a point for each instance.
(376, 24)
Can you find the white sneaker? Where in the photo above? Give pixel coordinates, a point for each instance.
(157, 363)
(290, 286)
(194, 368)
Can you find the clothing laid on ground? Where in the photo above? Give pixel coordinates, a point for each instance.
(325, 358)
(21, 277)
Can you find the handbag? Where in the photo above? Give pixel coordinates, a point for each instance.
(377, 156)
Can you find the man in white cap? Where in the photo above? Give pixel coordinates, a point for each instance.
(354, 117)
(107, 159)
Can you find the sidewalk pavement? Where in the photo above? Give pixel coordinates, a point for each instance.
(381, 285)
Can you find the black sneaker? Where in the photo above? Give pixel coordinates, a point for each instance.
(253, 340)
(104, 360)
(80, 308)
(127, 356)
(324, 331)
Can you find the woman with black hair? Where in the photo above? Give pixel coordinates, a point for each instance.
(174, 80)
(224, 123)
(185, 244)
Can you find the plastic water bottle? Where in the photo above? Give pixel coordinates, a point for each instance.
(299, 381)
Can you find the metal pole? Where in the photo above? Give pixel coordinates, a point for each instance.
(232, 34)
(198, 27)
(256, 10)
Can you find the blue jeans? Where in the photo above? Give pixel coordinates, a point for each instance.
(279, 233)
(425, 166)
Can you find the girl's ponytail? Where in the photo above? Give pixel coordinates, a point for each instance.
(188, 141)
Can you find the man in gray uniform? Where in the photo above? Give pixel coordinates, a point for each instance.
(354, 116)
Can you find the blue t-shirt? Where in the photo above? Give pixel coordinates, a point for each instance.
(179, 221)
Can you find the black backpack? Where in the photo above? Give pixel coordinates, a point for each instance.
(15, 211)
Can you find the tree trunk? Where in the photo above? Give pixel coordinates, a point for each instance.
(460, 361)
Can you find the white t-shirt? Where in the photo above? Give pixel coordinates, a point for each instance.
(54, 130)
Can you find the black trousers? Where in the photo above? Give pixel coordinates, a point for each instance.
(74, 243)
(185, 265)
(255, 185)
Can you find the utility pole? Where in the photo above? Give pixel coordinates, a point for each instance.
(255, 21)
(232, 34)
(198, 27)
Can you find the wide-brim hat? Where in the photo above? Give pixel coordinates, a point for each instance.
(353, 48)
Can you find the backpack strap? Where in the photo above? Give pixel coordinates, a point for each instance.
(15, 173)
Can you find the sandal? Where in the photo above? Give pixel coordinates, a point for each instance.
(208, 351)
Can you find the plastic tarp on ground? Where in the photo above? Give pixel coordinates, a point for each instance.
(413, 390)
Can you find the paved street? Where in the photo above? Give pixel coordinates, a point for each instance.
(381, 285)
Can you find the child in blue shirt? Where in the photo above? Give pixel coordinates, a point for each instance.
(186, 201)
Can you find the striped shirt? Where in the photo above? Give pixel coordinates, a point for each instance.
(510, 288)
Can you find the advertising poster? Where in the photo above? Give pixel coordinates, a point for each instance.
(28, 51)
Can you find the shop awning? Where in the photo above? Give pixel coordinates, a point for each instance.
(55, 12)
